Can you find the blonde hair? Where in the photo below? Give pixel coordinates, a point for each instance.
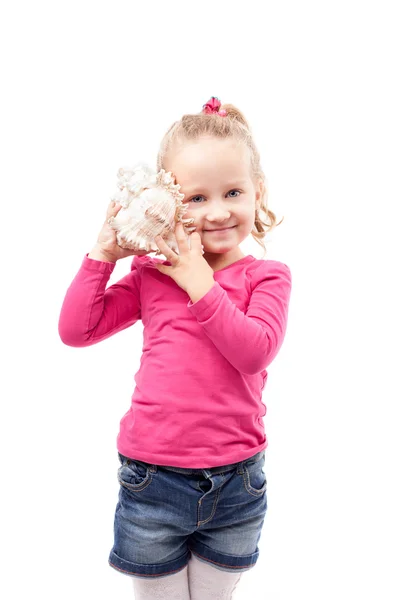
(234, 125)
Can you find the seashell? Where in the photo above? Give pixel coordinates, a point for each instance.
(151, 205)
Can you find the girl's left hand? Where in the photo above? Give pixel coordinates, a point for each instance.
(188, 269)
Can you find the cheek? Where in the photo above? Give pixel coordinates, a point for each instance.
(246, 216)
(192, 214)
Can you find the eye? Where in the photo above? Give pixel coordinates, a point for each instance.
(238, 191)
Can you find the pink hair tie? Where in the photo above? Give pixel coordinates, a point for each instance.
(212, 106)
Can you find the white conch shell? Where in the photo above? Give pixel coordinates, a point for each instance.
(151, 205)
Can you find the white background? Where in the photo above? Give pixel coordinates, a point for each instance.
(91, 86)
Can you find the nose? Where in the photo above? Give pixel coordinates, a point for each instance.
(218, 215)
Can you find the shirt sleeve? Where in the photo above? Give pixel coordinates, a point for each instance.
(91, 313)
(251, 340)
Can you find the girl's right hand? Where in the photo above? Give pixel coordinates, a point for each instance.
(107, 239)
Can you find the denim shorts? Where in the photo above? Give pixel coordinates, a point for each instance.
(166, 513)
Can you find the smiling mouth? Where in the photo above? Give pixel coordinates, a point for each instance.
(222, 229)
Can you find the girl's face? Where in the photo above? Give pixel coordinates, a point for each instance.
(215, 177)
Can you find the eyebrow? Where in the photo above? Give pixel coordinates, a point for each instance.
(232, 184)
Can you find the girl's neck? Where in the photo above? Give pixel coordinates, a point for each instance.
(220, 261)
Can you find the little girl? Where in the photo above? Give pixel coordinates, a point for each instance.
(192, 496)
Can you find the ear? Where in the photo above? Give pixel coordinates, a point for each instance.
(259, 192)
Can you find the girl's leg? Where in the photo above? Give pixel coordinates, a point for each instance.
(209, 583)
(204, 581)
(174, 587)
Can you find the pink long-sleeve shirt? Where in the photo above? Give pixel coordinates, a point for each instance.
(197, 402)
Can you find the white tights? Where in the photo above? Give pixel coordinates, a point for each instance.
(204, 581)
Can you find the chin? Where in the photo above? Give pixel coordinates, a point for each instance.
(216, 251)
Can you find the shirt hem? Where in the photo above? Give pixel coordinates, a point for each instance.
(190, 463)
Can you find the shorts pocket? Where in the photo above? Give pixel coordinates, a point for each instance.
(255, 480)
(133, 475)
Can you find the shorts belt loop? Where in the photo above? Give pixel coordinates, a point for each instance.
(240, 469)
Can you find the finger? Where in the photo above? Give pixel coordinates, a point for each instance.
(181, 237)
(113, 208)
(179, 231)
(163, 246)
(110, 209)
(195, 242)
